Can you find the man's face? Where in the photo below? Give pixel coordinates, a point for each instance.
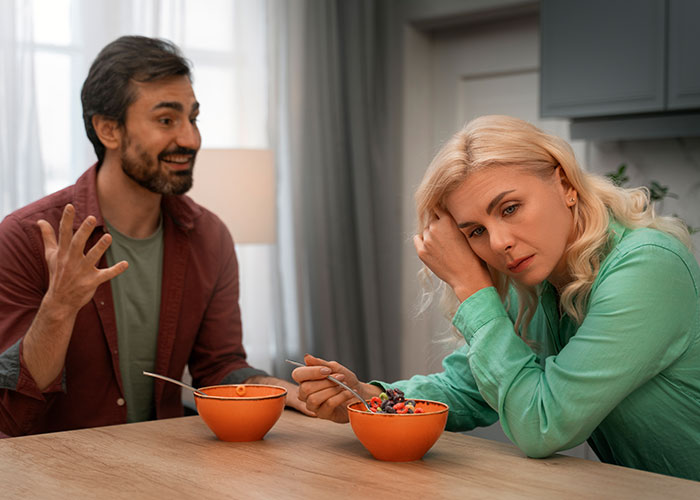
(161, 138)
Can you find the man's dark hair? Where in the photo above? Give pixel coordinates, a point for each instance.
(108, 90)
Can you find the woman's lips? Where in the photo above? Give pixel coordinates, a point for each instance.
(520, 265)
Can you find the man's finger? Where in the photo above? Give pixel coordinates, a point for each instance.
(47, 235)
(78, 241)
(110, 272)
(65, 228)
(94, 255)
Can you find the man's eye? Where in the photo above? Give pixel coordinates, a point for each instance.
(477, 232)
(165, 121)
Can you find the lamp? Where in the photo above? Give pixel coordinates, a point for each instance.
(238, 185)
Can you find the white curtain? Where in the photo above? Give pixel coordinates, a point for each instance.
(21, 169)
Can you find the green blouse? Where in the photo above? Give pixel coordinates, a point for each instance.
(627, 379)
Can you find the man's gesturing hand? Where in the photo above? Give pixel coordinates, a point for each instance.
(73, 280)
(73, 275)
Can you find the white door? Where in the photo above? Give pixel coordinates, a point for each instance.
(473, 71)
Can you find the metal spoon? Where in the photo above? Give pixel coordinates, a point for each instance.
(168, 379)
(296, 363)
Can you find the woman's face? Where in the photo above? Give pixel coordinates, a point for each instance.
(518, 223)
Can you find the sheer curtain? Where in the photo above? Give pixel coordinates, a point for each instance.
(21, 168)
(47, 48)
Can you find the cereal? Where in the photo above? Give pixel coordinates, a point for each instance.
(393, 401)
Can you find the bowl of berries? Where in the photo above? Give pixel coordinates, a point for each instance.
(398, 429)
(243, 412)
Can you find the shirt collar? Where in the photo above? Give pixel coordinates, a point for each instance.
(180, 208)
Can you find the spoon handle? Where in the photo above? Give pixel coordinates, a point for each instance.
(296, 363)
(168, 379)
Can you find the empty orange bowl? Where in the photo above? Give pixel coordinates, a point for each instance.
(243, 412)
(399, 437)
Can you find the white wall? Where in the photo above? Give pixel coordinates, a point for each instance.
(671, 162)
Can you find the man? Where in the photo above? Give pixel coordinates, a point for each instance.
(121, 273)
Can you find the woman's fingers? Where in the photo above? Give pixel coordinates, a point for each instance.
(328, 402)
(312, 386)
(314, 361)
(307, 373)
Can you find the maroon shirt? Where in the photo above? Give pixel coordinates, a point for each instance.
(200, 322)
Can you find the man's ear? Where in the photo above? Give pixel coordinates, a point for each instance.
(108, 131)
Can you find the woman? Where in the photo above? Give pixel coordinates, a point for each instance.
(578, 305)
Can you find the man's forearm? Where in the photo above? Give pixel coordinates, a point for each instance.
(46, 342)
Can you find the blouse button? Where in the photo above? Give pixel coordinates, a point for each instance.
(120, 401)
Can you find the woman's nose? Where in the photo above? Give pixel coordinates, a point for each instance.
(501, 240)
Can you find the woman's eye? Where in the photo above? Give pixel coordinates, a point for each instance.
(510, 209)
(477, 232)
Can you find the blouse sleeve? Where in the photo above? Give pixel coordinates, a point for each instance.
(454, 386)
(638, 322)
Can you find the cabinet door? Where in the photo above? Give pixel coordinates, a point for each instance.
(684, 54)
(602, 57)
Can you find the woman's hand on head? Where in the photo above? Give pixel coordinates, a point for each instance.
(444, 249)
(323, 397)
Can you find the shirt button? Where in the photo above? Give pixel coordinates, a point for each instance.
(102, 303)
(120, 401)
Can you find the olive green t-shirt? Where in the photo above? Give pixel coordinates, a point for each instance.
(136, 296)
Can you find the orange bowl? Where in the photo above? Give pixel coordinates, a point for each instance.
(243, 412)
(399, 437)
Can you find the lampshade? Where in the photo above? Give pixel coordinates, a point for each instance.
(238, 185)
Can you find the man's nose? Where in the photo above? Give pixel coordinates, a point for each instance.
(189, 136)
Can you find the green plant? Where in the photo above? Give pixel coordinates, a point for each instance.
(619, 177)
(657, 191)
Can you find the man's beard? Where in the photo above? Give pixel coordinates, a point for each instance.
(148, 174)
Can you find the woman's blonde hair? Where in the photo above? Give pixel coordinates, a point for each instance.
(497, 141)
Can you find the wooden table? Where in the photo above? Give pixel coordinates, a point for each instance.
(300, 457)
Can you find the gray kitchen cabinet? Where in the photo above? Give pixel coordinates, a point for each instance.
(603, 57)
(683, 55)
